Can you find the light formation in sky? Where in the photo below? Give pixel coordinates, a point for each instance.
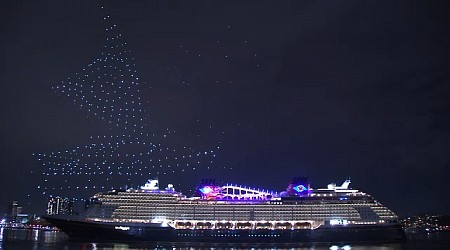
(111, 90)
(220, 54)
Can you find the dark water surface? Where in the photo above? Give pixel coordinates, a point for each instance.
(51, 240)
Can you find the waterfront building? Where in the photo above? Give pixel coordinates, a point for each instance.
(13, 210)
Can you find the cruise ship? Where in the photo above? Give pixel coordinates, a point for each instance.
(234, 214)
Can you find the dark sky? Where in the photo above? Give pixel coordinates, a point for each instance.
(252, 92)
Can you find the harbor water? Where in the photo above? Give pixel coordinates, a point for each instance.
(24, 239)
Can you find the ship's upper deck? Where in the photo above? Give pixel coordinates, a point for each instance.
(297, 190)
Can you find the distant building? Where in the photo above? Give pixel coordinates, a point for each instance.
(426, 223)
(14, 210)
(22, 218)
(58, 205)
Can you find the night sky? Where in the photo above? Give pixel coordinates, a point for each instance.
(106, 95)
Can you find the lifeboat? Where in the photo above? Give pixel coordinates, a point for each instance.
(183, 225)
(243, 225)
(302, 225)
(203, 225)
(224, 225)
(283, 225)
(263, 225)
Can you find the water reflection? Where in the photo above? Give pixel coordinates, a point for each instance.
(19, 239)
(126, 246)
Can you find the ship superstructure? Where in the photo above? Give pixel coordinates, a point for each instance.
(232, 210)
